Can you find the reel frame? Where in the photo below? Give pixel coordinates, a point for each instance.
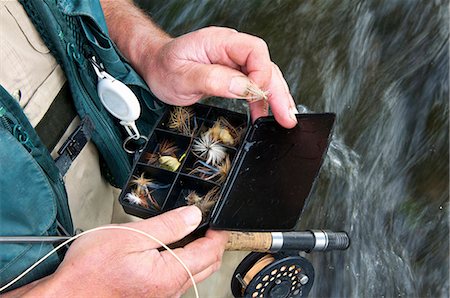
(288, 275)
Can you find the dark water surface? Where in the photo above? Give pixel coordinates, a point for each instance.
(383, 68)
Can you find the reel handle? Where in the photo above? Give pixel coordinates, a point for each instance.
(314, 240)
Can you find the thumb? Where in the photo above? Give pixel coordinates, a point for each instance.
(171, 226)
(218, 80)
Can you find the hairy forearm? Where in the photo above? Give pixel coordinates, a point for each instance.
(137, 37)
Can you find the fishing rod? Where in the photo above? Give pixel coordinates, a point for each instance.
(314, 240)
(274, 268)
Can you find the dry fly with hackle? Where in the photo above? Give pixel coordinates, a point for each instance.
(224, 169)
(224, 132)
(164, 156)
(180, 119)
(209, 149)
(208, 172)
(135, 199)
(204, 203)
(253, 94)
(142, 192)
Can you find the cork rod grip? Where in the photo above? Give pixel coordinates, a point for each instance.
(246, 241)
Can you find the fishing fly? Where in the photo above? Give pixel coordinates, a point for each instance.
(207, 148)
(204, 203)
(141, 193)
(164, 156)
(224, 132)
(253, 94)
(208, 172)
(182, 120)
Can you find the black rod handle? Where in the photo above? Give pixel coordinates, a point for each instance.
(315, 240)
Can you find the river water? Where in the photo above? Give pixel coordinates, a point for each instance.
(383, 68)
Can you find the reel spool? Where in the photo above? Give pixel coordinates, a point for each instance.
(272, 275)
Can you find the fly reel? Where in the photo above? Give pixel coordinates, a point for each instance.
(272, 275)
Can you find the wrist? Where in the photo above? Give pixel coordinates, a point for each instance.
(66, 284)
(136, 36)
(44, 287)
(146, 49)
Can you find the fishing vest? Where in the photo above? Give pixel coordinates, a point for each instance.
(33, 200)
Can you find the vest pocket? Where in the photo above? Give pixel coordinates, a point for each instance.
(115, 65)
(27, 208)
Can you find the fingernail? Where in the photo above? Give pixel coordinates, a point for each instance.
(238, 85)
(192, 216)
(292, 112)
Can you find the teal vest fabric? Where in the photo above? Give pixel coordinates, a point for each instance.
(75, 31)
(32, 194)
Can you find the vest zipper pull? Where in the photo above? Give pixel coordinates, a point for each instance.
(16, 130)
(4, 119)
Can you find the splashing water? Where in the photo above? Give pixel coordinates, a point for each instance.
(382, 67)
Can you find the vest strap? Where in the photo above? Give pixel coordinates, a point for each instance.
(57, 119)
(74, 144)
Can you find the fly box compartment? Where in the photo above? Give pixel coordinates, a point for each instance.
(243, 176)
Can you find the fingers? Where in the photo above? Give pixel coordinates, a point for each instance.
(280, 101)
(202, 257)
(258, 109)
(224, 47)
(201, 276)
(217, 80)
(252, 55)
(170, 226)
(231, 48)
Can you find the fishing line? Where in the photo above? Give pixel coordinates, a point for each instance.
(272, 275)
(258, 267)
(99, 229)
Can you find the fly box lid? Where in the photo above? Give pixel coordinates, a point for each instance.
(270, 173)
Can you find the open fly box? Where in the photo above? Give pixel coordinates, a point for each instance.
(262, 187)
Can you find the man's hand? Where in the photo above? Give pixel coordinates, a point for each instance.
(113, 263)
(209, 62)
(222, 62)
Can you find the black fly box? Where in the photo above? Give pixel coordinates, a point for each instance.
(247, 177)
